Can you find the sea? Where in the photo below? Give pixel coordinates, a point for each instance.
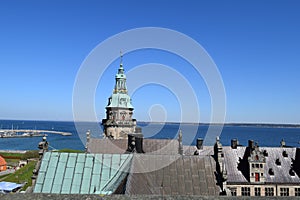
(264, 135)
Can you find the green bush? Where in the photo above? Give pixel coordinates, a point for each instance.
(30, 154)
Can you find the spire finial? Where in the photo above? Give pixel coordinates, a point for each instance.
(121, 58)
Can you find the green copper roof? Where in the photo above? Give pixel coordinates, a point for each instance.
(120, 101)
(74, 173)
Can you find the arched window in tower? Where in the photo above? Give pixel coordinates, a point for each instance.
(110, 115)
(123, 115)
(114, 115)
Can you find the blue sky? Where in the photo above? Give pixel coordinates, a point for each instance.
(255, 45)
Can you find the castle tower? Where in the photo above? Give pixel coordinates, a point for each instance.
(119, 123)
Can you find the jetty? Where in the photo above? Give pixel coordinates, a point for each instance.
(14, 133)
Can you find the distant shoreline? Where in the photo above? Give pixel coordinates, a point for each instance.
(237, 124)
(262, 125)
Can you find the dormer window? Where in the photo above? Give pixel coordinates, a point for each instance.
(278, 161)
(284, 154)
(292, 172)
(271, 172)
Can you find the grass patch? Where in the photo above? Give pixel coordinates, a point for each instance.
(20, 156)
(3, 176)
(22, 175)
(12, 162)
(70, 151)
(11, 155)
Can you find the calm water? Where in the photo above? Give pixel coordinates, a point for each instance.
(264, 136)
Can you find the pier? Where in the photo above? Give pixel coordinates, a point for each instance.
(10, 133)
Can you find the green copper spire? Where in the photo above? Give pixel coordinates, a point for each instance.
(120, 86)
(120, 97)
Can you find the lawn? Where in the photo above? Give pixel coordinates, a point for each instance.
(22, 175)
(20, 156)
(11, 155)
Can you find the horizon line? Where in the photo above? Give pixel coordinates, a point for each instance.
(167, 122)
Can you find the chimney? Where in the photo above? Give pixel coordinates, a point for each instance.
(139, 143)
(135, 143)
(234, 143)
(282, 143)
(43, 146)
(88, 134)
(131, 143)
(251, 144)
(180, 147)
(199, 144)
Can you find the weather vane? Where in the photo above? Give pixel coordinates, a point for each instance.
(121, 56)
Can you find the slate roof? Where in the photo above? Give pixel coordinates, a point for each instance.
(281, 173)
(119, 146)
(150, 146)
(172, 175)
(79, 173)
(104, 146)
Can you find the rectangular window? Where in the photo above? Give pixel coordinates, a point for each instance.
(284, 192)
(245, 191)
(257, 191)
(297, 192)
(256, 177)
(269, 191)
(233, 191)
